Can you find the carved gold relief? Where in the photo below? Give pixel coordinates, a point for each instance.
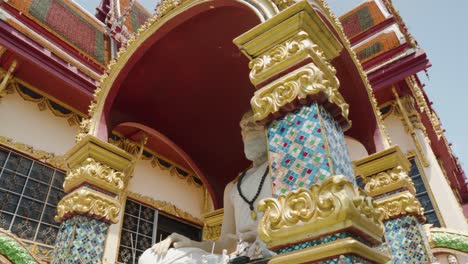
(399, 204)
(388, 181)
(88, 202)
(165, 207)
(302, 84)
(7, 76)
(283, 4)
(43, 101)
(96, 174)
(44, 156)
(405, 107)
(305, 214)
(213, 224)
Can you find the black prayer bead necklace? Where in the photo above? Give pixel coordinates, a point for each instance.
(253, 214)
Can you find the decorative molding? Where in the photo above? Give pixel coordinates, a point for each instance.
(286, 54)
(403, 203)
(43, 156)
(305, 84)
(213, 224)
(382, 161)
(424, 107)
(388, 181)
(446, 238)
(7, 76)
(14, 250)
(324, 209)
(165, 207)
(283, 4)
(405, 107)
(94, 173)
(162, 163)
(85, 201)
(43, 101)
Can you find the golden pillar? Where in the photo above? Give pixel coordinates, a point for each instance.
(97, 176)
(317, 214)
(386, 179)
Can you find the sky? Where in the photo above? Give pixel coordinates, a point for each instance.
(440, 27)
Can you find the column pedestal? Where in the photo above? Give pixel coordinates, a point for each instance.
(97, 177)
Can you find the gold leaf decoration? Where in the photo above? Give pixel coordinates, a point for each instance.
(308, 213)
(396, 205)
(94, 173)
(86, 201)
(387, 181)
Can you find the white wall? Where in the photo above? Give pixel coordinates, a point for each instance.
(356, 149)
(445, 199)
(23, 122)
(159, 185)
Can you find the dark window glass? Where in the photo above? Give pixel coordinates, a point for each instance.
(25, 187)
(422, 195)
(138, 232)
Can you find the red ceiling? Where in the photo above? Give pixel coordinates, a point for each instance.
(192, 86)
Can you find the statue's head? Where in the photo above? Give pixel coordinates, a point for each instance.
(254, 137)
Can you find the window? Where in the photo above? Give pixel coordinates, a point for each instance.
(422, 194)
(29, 193)
(139, 232)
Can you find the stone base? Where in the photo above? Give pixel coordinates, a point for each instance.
(346, 250)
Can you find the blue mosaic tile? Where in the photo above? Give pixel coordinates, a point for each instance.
(319, 241)
(344, 259)
(405, 240)
(298, 149)
(337, 144)
(80, 240)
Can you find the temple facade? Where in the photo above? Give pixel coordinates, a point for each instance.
(121, 127)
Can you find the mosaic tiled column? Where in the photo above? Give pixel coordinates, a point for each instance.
(97, 176)
(315, 216)
(386, 180)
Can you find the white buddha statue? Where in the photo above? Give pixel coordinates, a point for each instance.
(240, 222)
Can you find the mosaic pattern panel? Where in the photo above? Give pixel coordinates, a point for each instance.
(81, 240)
(298, 149)
(337, 144)
(405, 240)
(344, 259)
(29, 193)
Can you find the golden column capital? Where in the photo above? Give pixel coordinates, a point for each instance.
(400, 204)
(98, 163)
(86, 201)
(290, 64)
(305, 214)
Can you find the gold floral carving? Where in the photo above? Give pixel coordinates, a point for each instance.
(388, 181)
(85, 201)
(305, 214)
(6, 77)
(424, 107)
(396, 205)
(307, 83)
(44, 156)
(94, 173)
(288, 53)
(212, 224)
(43, 102)
(405, 106)
(134, 148)
(165, 207)
(283, 4)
